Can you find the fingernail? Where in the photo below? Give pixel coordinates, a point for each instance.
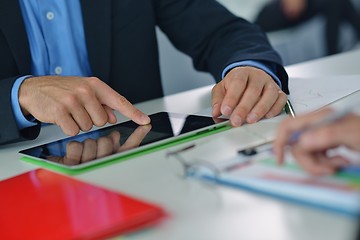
(226, 110)
(145, 119)
(252, 117)
(236, 121)
(146, 128)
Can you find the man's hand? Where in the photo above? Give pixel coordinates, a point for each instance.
(74, 103)
(247, 94)
(311, 150)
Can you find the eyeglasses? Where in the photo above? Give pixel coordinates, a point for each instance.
(196, 166)
(193, 167)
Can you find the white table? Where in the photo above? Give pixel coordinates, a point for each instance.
(201, 211)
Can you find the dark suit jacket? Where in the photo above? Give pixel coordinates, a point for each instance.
(122, 46)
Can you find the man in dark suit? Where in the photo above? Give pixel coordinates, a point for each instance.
(71, 63)
(282, 14)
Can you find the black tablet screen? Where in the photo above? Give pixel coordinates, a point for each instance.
(118, 138)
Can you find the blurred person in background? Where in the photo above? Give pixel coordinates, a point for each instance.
(282, 14)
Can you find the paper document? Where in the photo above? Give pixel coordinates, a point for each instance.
(260, 173)
(310, 94)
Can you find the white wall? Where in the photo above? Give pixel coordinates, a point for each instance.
(177, 71)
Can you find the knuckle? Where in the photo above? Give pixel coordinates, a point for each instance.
(67, 127)
(122, 100)
(230, 101)
(273, 112)
(236, 83)
(240, 71)
(60, 110)
(93, 80)
(241, 110)
(273, 88)
(277, 108)
(276, 111)
(260, 110)
(282, 95)
(85, 90)
(254, 91)
(71, 100)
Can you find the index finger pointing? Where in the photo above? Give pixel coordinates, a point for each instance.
(114, 100)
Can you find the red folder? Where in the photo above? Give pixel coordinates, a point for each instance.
(45, 205)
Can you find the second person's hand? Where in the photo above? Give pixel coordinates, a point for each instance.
(312, 148)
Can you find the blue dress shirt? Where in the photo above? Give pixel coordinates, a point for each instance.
(48, 21)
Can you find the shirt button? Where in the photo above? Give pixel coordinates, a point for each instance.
(58, 70)
(50, 15)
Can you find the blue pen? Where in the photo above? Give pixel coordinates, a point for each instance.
(350, 169)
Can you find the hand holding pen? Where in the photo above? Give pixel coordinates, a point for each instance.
(310, 137)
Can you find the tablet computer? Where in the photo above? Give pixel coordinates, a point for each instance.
(122, 139)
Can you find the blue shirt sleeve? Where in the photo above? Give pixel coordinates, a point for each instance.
(20, 119)
(257, 64)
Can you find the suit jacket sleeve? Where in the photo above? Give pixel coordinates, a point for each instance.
(203, 29)
(214, 37)
(14, 62)
(9, 131)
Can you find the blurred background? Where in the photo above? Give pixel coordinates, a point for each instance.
(300, 33)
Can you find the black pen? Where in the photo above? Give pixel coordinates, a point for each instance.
(289, 108)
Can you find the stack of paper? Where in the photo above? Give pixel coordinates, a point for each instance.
(261, 174)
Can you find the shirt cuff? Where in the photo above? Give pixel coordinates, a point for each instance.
(257, 64)
(21, 121)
